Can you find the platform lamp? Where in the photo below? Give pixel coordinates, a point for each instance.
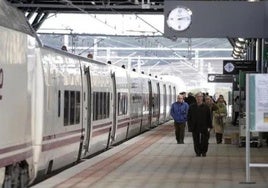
(239, 48)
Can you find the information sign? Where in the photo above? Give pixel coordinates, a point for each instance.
(220, 78)
(234, 66)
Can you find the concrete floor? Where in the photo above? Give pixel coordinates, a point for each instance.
(155, 160)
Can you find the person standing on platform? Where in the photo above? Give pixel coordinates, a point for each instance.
(179, 110)
(90, 56)
(200, 124)
(220, 119)
(190, 99)
(212, 106)
(64, 48)
(236, 110)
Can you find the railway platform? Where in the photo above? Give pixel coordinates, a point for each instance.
(155, 160)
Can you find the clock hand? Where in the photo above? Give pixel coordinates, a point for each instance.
(181, 18)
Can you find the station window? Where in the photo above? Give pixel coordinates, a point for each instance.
(101, 105)
(71, 107)
(122, 103)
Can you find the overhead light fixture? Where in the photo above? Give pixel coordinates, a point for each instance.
(236, 53)
(235, 56)
(241, 39)
(253, 1)
(239, 48)
(240, 44)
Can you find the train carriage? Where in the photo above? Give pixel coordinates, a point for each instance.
(58, 133)
(17, 45)
(121, 98)
(99, 110)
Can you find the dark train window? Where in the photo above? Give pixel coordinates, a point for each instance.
(66, 107)
(71, 107)
(59, 102)
(122, 103)
(101, 105)
(77, 107)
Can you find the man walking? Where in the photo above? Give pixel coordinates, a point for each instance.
(179, 111)
(200, 123)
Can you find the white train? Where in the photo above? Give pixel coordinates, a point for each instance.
(56, 108)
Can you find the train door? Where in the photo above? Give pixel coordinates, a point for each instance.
(157, 102)
(169, 96)
(150, 102)
(87, 109)
(114, 107)
(174, 96)
(165, 102)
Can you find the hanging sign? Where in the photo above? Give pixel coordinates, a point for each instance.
(234, 66)
(220, 78)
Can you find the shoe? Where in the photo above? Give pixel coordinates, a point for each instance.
(198, 155)
(204, 154)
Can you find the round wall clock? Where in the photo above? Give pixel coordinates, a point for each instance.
(179, 18)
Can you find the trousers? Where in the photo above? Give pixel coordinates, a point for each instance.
(179, 132)
(200, 142)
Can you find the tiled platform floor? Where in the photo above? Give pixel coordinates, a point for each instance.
(155, 160)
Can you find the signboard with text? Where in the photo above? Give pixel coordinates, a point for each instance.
(234, 66)
(220, 78)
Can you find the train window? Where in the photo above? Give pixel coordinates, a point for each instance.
(101, 105)
(59, 102)
(122, 103)
(95, 105)
(108, 105)
(71, 107)
(66, 107)
(77, 107)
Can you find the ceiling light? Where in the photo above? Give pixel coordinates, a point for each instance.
(238, 49)
(235, 56)
(236, 53)
(240, 44)
(241, 39)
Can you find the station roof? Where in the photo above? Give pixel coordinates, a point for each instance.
(189, 59)
(95, 6)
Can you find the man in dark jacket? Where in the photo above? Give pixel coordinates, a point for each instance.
(199, 122)
(190, 99)
(179, 112)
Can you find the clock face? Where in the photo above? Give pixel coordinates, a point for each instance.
(179, 18)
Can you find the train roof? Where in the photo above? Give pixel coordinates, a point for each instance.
(14, 19)
(72, 55)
